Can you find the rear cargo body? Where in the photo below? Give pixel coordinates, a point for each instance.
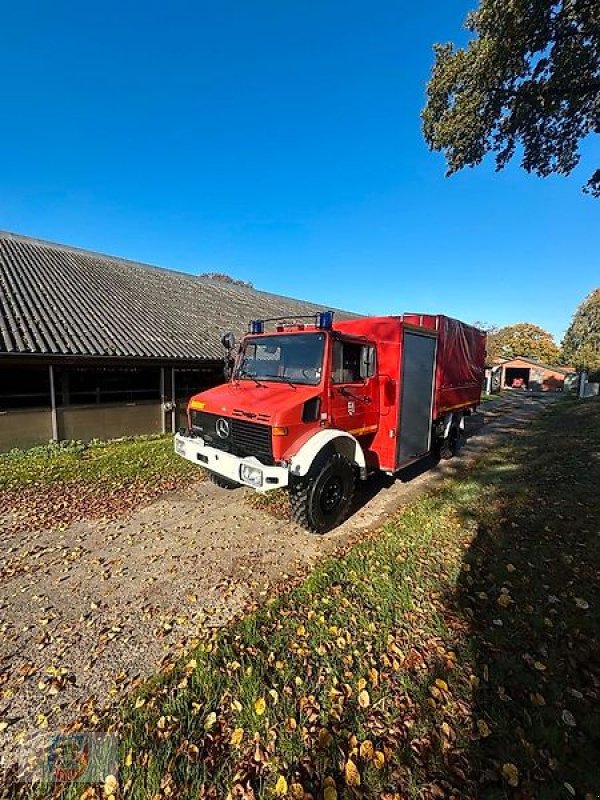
(428, 365)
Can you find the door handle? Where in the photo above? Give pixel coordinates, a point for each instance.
(347, 393)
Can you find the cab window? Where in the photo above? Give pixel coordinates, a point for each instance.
(352, 362)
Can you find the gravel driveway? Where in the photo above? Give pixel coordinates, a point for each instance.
(99, 606)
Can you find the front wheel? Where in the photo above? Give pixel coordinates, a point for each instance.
(321, 500)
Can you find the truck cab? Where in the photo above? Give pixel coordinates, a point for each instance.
(311, 407)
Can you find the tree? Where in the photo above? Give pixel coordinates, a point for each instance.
(529, 76)
(581, 345)
(523, 339)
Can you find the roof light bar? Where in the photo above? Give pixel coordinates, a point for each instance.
(325, 320)
(322, 320)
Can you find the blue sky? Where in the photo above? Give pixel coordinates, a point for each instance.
(279, 142)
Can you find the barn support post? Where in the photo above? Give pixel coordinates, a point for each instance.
(174, 411)
(163, 402)
(53, 412)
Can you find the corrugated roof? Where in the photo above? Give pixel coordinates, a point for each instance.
(61, 300)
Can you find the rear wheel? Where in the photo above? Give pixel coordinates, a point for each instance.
(451, 444)
(321, 500)
(224, 483)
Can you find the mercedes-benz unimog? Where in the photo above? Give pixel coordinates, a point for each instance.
(316, 407)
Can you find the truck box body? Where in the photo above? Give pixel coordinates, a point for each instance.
(429, 365)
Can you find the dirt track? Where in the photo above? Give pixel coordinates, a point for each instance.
(107, 603)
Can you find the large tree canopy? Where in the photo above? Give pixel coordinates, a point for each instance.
(530, 76)
(581, 345)
(522, 339)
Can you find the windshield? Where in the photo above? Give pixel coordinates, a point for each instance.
(288, 358)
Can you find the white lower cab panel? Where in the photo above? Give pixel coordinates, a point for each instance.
(248, 471)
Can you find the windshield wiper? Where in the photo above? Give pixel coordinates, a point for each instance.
(283, 378)
(243, 374)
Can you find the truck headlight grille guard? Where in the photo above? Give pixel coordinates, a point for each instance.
(237, 436)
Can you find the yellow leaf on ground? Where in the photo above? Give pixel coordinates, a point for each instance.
(442, 685)
(281, 787)
(483, 728)
(367, 751)
(110, 784)
(510, 773)
(260, 706)
(351, 773)
(504, 600)
(361, 684)
(363, 699)
(237, 736)
(210, 721)
(378, 759)
(129, 759)
(297, 791)
(330, 793)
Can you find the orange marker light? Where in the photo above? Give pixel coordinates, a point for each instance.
(279, 430)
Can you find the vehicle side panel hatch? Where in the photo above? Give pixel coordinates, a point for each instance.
(418, 373)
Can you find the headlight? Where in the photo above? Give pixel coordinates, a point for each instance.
(180, 447)
(251, 475)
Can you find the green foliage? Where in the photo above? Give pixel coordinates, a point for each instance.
(102, 464)
(523, 339)
(581, 345)
(529, 77)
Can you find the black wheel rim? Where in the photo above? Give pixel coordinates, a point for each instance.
(331, 494)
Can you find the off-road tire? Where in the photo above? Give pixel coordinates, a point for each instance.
(449, 447)
(322, 499)
(224, 483)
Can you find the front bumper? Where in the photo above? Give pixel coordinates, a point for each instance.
(227, 465)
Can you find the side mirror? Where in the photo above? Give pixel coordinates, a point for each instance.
(228, 341)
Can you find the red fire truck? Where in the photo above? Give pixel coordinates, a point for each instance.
(316, 406)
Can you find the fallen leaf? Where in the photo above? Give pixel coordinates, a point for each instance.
(260, 706)
(237, 736)
(351, 773)
(281, 787)
(210, 721)
(363, 699)
(367, 751)
(510, 773)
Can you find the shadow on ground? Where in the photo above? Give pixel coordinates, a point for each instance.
(528, 591)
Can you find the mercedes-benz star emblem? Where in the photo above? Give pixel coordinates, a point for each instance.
(222, 428)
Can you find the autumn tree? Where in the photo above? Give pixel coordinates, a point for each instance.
(523, 339)
(581, 345)
(529, 77)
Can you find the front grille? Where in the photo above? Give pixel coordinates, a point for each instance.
(244, 438)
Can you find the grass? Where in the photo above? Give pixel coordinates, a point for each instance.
(107, 463)
(454, 653)
(59, 484)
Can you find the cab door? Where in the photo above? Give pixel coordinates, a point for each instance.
(354, 390)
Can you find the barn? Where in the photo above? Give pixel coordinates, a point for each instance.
(521, 372)
(95, 346)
